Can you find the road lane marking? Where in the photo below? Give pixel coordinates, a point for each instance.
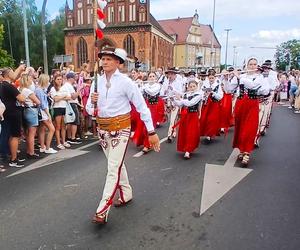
(61, 155)
(219, 180)
(139, 154)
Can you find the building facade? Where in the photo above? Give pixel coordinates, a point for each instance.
(193, 47)
(129, 25)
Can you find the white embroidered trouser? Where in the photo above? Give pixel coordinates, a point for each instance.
(262, 116)
(173, 117)
(114, 145)
(269, 107)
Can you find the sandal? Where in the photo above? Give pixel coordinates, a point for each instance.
(146, 150)
(100, 218)
(240, 156)
(245, 160)
(119, 203)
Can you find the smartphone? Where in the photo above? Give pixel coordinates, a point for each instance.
(23, 62)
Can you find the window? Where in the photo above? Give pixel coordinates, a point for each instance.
(142, 15)
(89, 16)
(154, 52)
(82, 51)
(110, 16)
(70, 23)
(129, 46)
(121, 13)
(80, 16)
(132, 13)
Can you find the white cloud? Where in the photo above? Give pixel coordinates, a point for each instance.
(163, 9)
(260, 44)
(278, 35)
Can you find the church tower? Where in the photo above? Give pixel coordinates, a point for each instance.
(129, 25)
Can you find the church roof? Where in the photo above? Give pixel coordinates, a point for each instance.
(180, 28)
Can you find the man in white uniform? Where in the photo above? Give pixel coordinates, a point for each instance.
(172, 87)
(115, 92)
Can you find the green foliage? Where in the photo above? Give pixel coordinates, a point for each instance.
(11, 15)
(287, 54)
(5, 59)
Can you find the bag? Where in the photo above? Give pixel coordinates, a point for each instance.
(70, 114)
(40, 117)
(2, 110)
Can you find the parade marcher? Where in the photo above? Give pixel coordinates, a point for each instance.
(274, 84)
(189, 130)
(173, 86)
(115, 93)
(151, 91)
(265, 104)
(227, 100)
(161, 75)
(201, 78)
(211, 107)
(135, 116)
(246, 112)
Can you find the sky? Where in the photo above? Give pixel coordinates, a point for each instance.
(257, 26)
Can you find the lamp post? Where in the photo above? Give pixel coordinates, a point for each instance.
(227, 31)
(26, 33)
(44, 38)
(234, 55)
(212, 34)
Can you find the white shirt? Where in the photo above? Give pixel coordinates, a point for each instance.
(256, 81)
(68, 87)
(152, 89)
(115, 101)
(251, 81)
(274, 82)
(197, 97)
(61, 92)
(171, 88)
(217, 93)
(26, 93)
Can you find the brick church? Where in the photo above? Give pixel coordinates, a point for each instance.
(129, 25)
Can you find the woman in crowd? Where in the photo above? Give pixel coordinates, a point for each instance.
(189, 125)
(60, 98)
(30, 114)
(85, 92)
(2, 109)
(45, 117)
(211, 109)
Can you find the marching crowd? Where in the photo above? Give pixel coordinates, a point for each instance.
(34, 105)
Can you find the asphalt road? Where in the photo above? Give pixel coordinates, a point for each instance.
(51, 207)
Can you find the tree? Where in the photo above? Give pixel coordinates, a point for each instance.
(11, 19)
(11, 16)
(5, 59)
(287, 54)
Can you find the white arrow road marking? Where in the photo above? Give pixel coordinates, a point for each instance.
(218, 180)
(139, 154)
(54, 158)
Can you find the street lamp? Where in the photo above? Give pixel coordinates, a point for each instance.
(26, 33)
(234, 55)
(212, 34)
(227, 31)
